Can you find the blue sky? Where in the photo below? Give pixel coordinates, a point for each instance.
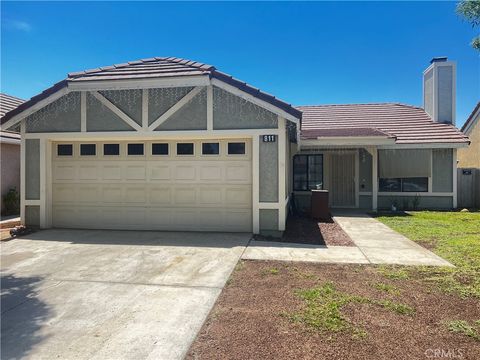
(303, 53)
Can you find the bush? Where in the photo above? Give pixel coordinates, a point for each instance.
(11, 202)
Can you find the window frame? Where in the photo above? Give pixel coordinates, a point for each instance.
(119, 149)
(88, 144)
(237, 142)
(401, 190)
(128, 149)
(71, 147)
(210, 142)
(181, 143)
(160, 143)
(307, 172)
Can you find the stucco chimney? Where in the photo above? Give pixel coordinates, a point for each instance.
(439, 90)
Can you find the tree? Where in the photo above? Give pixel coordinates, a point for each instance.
(470, 11)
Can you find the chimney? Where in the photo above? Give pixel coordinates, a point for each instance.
(439, 90)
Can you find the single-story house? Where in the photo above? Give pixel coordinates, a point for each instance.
(9, 151)
(172, 144)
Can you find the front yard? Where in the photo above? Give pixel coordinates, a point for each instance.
(280, 310)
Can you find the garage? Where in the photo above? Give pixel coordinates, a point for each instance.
(193, 185)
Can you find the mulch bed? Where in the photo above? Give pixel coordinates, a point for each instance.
(304, 230)
(247, 321)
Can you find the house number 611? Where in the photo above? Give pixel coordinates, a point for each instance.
(269, 138)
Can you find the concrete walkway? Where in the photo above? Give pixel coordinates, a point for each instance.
(375, 243)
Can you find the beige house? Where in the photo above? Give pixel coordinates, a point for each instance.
(9, 150)
(470, 157)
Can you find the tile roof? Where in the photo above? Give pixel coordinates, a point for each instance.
(471, 118)
(8, 103)
(157, 67)
(407, 124)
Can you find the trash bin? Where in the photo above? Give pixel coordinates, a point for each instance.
(319, 205)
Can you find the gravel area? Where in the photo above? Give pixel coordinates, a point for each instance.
(305, 230)
(249, 322)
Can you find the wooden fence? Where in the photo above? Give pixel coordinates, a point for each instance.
(468, 188)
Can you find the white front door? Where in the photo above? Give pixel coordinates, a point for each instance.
(196, 192)
(342, 180)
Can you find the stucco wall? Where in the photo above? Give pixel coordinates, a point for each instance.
(62, 115)
(32, 215)
(32, 169)
(470, 157)
(101, 118)
(365, 170)
(428, 92)
(442, 170)
(269, 222)
(445, 88)
(232, 112)
(9, 169)
(268, 176)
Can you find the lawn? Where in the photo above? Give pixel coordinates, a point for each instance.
(282, 310)
(455, 236)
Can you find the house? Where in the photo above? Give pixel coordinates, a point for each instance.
(9, 151)
(173, 144)
(470, 157)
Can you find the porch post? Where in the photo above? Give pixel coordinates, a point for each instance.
(374, 153)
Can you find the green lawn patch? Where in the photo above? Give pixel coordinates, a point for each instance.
(455, 236)
(323, 305)
(463, 327)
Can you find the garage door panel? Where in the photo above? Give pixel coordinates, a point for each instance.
(196, 193)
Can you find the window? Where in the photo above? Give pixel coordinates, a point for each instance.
(160, 149)
(418, 184)
(307, 172)
(65, 150)
(135, 149)
(111, 149)
(185, 149)
(210, 148)
(236, 148)
(88, 149)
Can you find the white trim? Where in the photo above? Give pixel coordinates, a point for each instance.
(145, 109)
(127, 119)
(475, 119)
(153, 135)
(83, 111)
(49, 185)
(255, 185)
(254, 100)
(43, 183)
(183, 81)
(209, 108)
(269, 205)
(183, 101)
(33, 202)
(282, 139)
(22, 172)
(425, 146)
(42, 103)
(10, 141)
(413, 193)
(454, 175)
(365, 193)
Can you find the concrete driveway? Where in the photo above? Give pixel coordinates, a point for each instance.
(111, 294)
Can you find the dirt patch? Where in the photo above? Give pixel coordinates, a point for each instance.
(252, 318)
(304, 230)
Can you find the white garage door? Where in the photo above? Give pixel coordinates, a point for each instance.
(114, 186)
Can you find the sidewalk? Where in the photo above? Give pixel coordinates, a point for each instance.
(375, 243)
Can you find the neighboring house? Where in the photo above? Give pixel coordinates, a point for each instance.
(172, 144)
(9, 150)
(470, 157)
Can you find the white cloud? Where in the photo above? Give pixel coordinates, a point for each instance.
(18, 25)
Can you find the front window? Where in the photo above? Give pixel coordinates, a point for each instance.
(417, 184)
(307, 172)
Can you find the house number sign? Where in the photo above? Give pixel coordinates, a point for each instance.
(269, 138)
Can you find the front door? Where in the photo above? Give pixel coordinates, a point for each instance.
(342, 180)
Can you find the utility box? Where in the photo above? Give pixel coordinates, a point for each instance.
(319, 205)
